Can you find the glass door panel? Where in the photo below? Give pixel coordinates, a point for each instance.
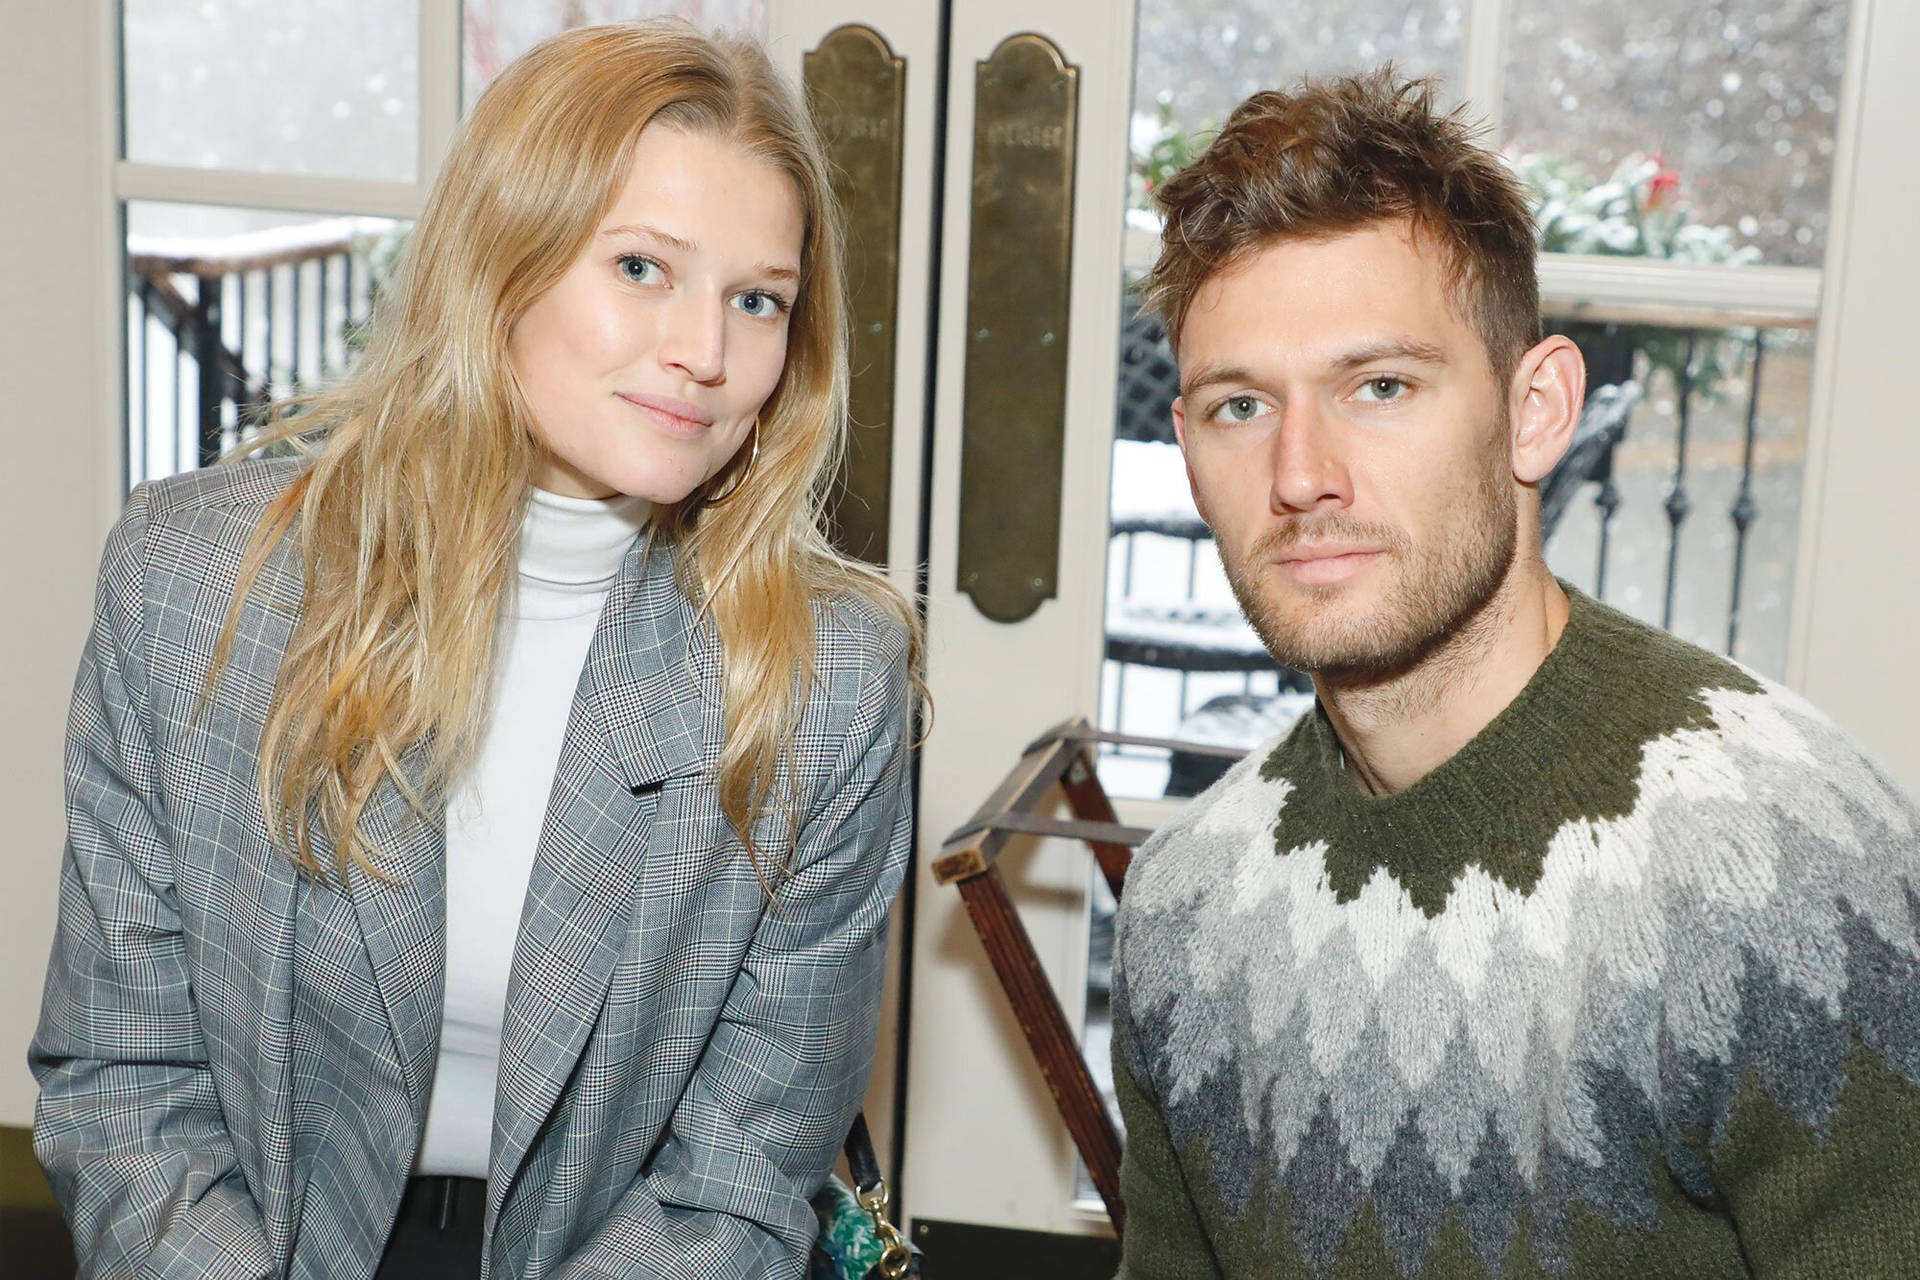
(1725, 115)
(1179, 660)
(231, 310)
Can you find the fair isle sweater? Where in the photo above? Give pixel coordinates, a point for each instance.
(1629, 987)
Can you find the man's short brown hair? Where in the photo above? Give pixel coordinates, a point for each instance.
(1339, 155)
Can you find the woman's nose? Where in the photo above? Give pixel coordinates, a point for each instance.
(695, 341)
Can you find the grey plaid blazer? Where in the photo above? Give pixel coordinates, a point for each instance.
(234, 1063)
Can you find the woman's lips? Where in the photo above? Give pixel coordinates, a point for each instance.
(675, 417)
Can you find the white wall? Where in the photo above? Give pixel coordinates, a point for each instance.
(59, 455)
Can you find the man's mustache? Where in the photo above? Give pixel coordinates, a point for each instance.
(1310, 529)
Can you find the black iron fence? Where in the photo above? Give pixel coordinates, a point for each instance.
(218, 329)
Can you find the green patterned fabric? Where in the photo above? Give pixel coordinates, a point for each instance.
(847, 1237)
(1630, 986)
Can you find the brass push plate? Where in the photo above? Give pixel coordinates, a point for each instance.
(1019, 269)
(856, 89)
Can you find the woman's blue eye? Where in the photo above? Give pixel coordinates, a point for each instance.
(758, 303)
(637, 269)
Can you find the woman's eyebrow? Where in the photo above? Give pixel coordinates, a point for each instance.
(652, 233)
(767, 270)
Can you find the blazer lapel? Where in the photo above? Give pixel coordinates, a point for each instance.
(403, 918)
(636, 721)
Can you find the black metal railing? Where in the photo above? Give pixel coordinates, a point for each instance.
(221, 328)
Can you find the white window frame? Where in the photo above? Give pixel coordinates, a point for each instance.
(439, 117)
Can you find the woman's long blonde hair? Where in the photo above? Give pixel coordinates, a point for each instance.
(407, 516)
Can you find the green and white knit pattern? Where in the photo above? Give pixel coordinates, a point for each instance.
(1546, 1010)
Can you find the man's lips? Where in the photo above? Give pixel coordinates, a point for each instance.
(681, 417)
(1324, 563)
(1325, 551)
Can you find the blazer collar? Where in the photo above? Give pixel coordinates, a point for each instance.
(403, 918)
(652, 669)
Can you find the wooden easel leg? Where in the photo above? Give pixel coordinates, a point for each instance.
(1089, 802)
(1011, 950)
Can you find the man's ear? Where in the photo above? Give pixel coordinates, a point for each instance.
(1549, 387)
(1180, 435)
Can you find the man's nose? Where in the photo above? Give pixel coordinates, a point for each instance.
(1309, 469)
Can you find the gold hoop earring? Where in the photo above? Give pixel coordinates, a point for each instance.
(710, 503)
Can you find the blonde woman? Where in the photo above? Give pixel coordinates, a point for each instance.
(482, 830)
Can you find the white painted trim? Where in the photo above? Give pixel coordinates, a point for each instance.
(60, 383)
(298, 193)
(1827, 344)
(442, 54)
(1484, 65)
(111, 489)
(1791, 291)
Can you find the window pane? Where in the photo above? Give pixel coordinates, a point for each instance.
(228, 309)
(291, 86)
(1702, 452)
(498, 31)
(1194, 60)
(1713, 117)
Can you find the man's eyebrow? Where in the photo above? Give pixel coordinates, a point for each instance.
(1212, 372)
(1209, 372)
(1389, 349)
(651, 233)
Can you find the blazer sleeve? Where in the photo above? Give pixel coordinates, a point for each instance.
(764, 1116)
(128, 1128)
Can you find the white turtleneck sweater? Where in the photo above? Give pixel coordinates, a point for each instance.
(570, 554)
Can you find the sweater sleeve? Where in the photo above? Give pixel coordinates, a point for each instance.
(128, 1126)
(1802, 1120)
(1164, 1239)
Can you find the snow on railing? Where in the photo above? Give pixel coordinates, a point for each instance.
(221, 327)
(252, 250)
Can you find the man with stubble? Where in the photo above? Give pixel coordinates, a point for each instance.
(1547, 944)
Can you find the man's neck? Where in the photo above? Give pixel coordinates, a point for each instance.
(1395, 731)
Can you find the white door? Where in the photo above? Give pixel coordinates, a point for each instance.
(982, 1144)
